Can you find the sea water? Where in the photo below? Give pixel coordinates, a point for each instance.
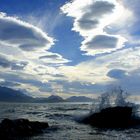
(62, 120)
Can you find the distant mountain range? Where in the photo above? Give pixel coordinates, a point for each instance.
(79, 99)
(50, 99)
(11, 95)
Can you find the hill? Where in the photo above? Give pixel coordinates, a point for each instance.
(11, 95)
(79, 99)
(50, 99)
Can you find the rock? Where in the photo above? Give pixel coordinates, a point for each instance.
(21, 128)
(112, 117)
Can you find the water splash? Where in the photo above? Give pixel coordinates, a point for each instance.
(115, 96)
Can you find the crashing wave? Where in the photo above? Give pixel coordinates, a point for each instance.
(113, 98)
(113, 110)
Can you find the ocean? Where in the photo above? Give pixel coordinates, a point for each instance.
(62, 118)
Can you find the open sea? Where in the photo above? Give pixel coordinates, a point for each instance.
(62, 118)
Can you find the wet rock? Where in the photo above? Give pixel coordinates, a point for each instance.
(113, 117)
(21, 128)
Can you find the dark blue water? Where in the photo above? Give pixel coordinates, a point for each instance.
(62, 120)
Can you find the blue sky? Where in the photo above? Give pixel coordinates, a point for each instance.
(69, 48)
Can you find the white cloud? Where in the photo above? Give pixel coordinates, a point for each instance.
(104, 24)
(102, 43)
(127, 25)
(53, 58)
(90, 19)
(18, 33)
(96, 70)
(23, 41)
(109, 28)
(25, 56)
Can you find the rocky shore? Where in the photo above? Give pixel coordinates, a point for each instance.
(113, 117)
(10, 129)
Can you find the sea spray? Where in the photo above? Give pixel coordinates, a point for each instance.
(113, 97)
(113, 110)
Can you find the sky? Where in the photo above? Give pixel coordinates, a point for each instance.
(66, 48)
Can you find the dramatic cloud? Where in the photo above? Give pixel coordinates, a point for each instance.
(21, 34)
(90, 19)
(25, 56)
(127, 24)
(109, 28)
(107, 69)
(100, 43)
(110, 31)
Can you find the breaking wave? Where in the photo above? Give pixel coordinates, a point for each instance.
(114, 97)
